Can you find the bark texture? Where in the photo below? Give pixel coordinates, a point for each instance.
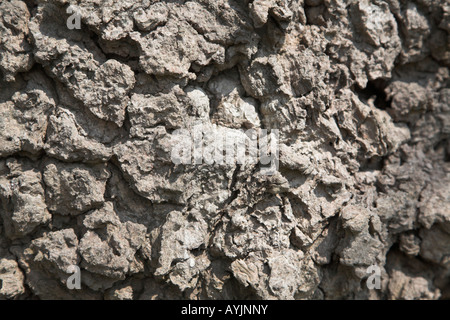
(359, 91)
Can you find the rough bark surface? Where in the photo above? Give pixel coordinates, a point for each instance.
(359, 91)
